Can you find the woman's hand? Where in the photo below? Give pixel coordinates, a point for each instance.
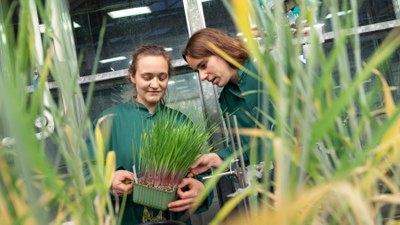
(205, 162)
(122, 182)
(188, 197)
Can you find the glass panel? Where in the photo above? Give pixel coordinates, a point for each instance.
(217, 16)
(376, 11)
(146, 22)
(393, 76)
(109, 94)
(183, 93)
(369, 12)
(389, 69)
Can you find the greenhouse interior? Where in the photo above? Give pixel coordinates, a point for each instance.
(323, 143)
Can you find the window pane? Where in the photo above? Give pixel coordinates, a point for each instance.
(183, 93)
(217, 16)
(369, 12)
(141, 22)
(390, 69)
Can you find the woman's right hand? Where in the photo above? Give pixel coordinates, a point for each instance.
(205, 162)
(122, 182)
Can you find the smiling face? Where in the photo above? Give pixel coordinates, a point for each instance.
(151, 80)
(214, 69)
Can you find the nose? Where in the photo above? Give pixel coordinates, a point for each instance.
(155, 83)
(202, 75)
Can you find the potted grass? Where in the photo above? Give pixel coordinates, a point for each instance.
(168, 149)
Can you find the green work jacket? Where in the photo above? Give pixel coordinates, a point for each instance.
(242, 99)
(128, 120)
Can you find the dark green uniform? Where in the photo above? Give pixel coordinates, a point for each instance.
(128, 120)
(232, 101)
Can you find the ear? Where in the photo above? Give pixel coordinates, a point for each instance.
(132, 78)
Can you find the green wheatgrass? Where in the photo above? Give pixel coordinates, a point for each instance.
(169, 148)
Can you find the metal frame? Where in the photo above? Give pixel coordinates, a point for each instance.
(367, 28)
(209, 94)
(180, 63)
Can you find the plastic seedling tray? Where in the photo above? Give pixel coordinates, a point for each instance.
(151, 197)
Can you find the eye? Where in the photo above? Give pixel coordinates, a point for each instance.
(162, 76)
(202, 65)
(147, 76)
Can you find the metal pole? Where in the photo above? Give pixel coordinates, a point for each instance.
(242, 168)
(209, 96)
(242, 175)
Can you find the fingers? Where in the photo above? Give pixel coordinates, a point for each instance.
(185, 182)
(203, 160)
(199, 170)
(124, 175)
(190, 175)
(122, 182)
(200, 166)
(120, 188)
(196, 164)
(211, 160)
(180, 205)
(191, 193)
(186, 197)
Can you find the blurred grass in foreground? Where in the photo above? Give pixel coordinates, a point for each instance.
(335, 161)
(336, 155)
(42, 180)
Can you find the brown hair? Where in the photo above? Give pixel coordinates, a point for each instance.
(148, 50)
(198, 45)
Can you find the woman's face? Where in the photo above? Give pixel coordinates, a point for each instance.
(151, 80)
(214, 69)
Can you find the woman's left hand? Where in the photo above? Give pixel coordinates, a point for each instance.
(188, 197)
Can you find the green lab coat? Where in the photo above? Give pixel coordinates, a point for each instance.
(128, 120)
(233, 102)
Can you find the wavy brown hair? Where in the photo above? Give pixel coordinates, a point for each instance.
(198, 45)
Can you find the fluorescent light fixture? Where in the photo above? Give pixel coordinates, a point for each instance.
(341, 13)
(76, 25)
(171, 82)
(118, 58)
(42, 27)
(129, 12)
(168, 49)
(205, 0)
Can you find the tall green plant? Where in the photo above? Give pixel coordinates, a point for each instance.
(334, 163)
(169, 148)
(35, 186)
